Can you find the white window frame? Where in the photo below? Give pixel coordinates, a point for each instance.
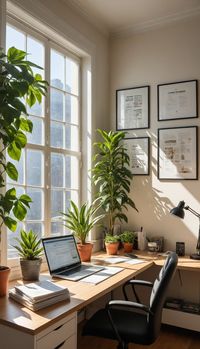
(46, 148)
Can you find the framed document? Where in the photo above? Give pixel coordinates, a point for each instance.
(177, 100)
(138, 149)
(178, 153)
(132, 108)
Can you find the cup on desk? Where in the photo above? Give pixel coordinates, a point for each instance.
(153, 246)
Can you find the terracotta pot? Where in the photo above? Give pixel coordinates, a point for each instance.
(85, 251)
(128, 247)
(112, 247)
(4, 275)
(30, 269)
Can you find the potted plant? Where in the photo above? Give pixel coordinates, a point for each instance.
(30, 251)
(112, 243)
(127, 238)
(112, 177)
(80, 222)
(19, 85)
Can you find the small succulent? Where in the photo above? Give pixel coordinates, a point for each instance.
(29, 245)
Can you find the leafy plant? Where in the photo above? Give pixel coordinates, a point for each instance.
(128, 236)
(82, 220)
(29, 245)
(111, 238)
(112, 176)
(18, 86)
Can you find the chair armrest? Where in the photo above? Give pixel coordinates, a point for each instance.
(133, 283)
(129, 304)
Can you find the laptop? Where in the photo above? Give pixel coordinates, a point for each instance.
(63, 259)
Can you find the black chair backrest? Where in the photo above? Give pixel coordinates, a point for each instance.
(159, 292)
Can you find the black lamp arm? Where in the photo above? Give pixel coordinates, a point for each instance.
(192, 211)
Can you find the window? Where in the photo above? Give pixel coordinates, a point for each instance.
(50, 163)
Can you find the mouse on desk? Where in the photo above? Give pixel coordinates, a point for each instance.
(130, 255)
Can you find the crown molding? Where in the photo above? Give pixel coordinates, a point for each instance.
(93, 20)
(155, 23)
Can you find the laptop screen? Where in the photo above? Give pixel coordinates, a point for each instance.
(61, 252)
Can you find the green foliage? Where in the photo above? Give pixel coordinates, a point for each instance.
(128, 236)
(111, 238)
(28, 245)
(81, 221)
(112, 176)
(18, 86)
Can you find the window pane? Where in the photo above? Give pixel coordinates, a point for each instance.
(71, 138)
(35, 50)
(34, 167)
(71, 109)
(36, 210)
(71, 172)
(57, 170)
(37, 109)
(15, 38)
(57, 105)
(57, 228)
(57, 131)
(37, 135)
(56, 203)
(12, 252)
(57, 70)
(71, 76)
(36, 228)
(20, 168)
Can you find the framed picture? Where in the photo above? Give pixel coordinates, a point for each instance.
(177, 100)
(138, 149)
(132, 108)
(178, 153)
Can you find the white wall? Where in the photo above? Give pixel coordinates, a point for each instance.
(164, 55)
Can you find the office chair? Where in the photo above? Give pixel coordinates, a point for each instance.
(133, 322)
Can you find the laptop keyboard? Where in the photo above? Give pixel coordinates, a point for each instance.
(83, 270)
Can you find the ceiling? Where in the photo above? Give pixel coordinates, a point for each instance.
(116, 17)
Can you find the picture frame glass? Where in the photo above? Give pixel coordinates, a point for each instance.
(177, 153)
(177, 100)
(132, 108)
(138, 151)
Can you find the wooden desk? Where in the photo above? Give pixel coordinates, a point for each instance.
(20, 328)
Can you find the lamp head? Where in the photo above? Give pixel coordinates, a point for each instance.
(179, 210)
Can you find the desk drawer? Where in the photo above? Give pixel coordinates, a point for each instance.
(58, 336)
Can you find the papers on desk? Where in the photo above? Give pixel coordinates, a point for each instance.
(38, 295)
(135, 261)
(113, 260)
(132, 261)
(102, 275)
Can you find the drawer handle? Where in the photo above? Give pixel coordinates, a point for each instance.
(60, 345)
(57, 328)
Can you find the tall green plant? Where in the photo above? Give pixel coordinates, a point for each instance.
(18, 86)
(112, 176)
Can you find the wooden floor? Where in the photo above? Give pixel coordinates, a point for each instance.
(170, 338)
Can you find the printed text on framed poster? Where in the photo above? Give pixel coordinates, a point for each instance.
(138, 150)
(177, 100)
(177, 153)
(132, 108)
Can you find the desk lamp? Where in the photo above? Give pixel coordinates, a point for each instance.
(179, 212)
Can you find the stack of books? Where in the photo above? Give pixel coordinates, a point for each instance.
(38, 295)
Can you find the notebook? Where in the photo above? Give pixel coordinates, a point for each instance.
(63, 259)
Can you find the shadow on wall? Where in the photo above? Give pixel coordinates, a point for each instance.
(154, 205)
